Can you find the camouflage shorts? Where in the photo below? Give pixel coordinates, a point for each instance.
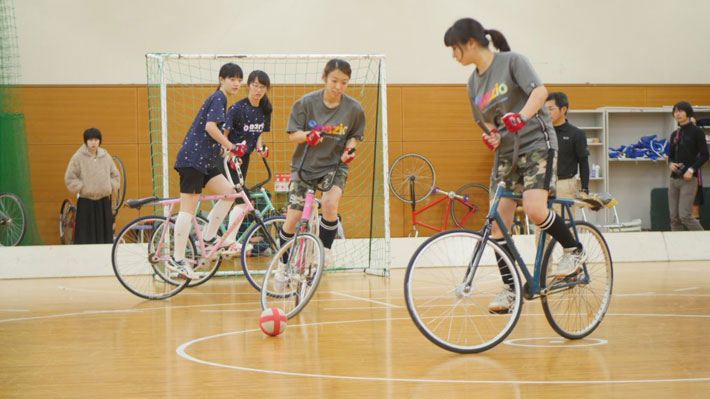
(297, 189)
(536, 169)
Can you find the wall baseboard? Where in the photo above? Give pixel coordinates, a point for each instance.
(51, 261)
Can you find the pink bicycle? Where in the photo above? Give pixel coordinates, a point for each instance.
(143, 247)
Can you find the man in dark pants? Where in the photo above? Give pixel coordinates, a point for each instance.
(688, 153)
(573, 152)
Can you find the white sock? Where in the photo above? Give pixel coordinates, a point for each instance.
(215, 218)
(233, 216)
(182, 231)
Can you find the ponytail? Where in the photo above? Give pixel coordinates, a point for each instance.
(466, 29)
(266, 106)
(498, 40)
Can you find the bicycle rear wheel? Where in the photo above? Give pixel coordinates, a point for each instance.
(477, 198)
(259, 245)
(67, 222)
(449, 313)
(118, 197)
(140, 260)
(414, 169)
(12, 220)
(291, 288)
(576, 305)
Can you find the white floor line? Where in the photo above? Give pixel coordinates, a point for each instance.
(363, 299)
(685, 289)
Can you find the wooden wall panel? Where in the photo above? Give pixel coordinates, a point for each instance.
(433, 120)
(441, 112)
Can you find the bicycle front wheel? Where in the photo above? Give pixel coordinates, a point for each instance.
(453, 309)
(290, 286)
(471, 215)
(411, 178)
(13, 220)
(259, 245)
(576, 305)
(67, 221)
(140, 254)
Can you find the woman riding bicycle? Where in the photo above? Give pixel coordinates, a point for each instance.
(507, 97)
(196, 162)
(333, 123)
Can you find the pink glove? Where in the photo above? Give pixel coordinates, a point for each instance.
(263, 151)
(239, 149)
(489, 145)
(514, 122)
(313, 138)
(350, 152)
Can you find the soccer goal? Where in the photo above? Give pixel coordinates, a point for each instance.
(178, 84)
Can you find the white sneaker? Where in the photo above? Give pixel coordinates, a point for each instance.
(180, 266)
(503, 302)
(570, 263)
(280, 278)
(329, 261)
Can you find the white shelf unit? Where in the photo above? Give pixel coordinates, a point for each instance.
(592, 122)
(630, 181)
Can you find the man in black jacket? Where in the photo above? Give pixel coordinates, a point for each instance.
(688, 153)
(573, 152)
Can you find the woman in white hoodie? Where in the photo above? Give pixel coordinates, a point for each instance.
(93, 176)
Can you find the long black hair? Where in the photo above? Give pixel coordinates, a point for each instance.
(263, 78)
(466, 29)
(230, 70)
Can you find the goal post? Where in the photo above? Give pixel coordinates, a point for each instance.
(178, 84)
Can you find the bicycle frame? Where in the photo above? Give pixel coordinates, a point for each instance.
(450, 197)
(533, 281)
(170, 204)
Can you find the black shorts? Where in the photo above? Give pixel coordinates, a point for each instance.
(235, 176)
(192, 181)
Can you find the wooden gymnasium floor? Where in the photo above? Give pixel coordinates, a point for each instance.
(89, 338)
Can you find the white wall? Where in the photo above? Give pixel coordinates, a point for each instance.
(601, 41)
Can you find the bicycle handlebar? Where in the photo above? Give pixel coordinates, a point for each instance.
(239, 173)
(317, 186)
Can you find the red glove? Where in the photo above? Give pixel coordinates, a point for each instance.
(514, 122)
(263, 151)
(313, 138)
(350, 153)
(239, 149)
(489, 145)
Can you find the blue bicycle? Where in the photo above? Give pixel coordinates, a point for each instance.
(453, 276)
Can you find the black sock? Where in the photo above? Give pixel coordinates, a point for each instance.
(502, 266)
(328, 230)
(283, 238)
(554, 225)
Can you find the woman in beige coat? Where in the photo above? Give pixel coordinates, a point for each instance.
(93, 176)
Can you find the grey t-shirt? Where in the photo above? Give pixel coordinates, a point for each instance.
(505, 87)
(345, 121)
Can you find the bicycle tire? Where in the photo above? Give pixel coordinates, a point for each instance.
(298, 288)
(137, 267)
(411, 168)
(478, 197)
(67, 222)
(255, 264)
(448, 313)
(121, 193)
(13, 220)
(575, 309)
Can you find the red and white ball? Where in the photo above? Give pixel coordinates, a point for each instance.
(273, 321)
